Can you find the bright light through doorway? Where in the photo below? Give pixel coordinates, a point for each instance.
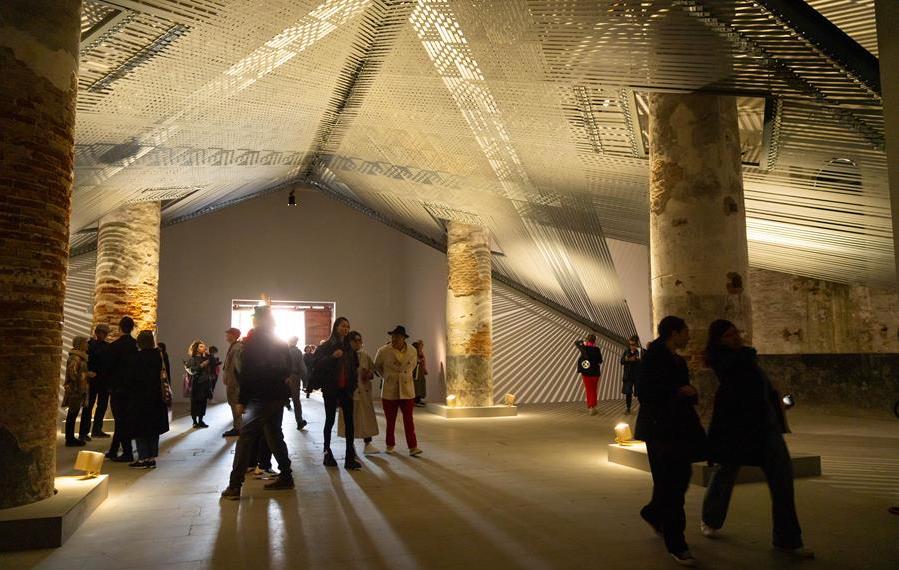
(288, 322)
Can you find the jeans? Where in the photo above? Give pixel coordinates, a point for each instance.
(147, 447)
(344, 399)
(119, 402)
(260, 419)
(670, 480)
(390, 409)
(260, 454)
(778, 469)
(98, 394)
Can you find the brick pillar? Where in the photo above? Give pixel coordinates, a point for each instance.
(469, 316)
(39, 69)
(127, 282)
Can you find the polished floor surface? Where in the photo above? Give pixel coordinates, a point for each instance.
(530, 492)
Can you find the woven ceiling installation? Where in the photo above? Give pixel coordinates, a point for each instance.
(526, 116)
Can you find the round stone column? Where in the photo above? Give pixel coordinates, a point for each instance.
(699, 260)
(469, 316)
(127, 282)
(39, 66)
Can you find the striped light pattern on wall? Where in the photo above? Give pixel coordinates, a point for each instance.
(79, 303)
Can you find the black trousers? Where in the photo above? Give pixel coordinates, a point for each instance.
(71, 416)
(99, 394)
(670, 480)
(198, 408)
(119, 401)
(261, 418)
(344, 399)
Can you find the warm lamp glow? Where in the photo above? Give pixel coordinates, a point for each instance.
(90, 462)
(509, 399)
(450, 400)
(623, 435)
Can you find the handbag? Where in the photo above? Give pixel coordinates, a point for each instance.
(164, 384)
(185, 385)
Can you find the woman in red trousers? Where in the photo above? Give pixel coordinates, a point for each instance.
(588, 365)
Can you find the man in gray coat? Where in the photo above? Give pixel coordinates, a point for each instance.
(298, 374)
(229, 377)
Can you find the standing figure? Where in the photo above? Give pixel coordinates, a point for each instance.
(215, 369)
(394, 363)
(335, 366)
(365, 422)
(76, 387)
(199, 367)
(630, 361)
(98, 362)
(297, 377)
(262, 374)
(121, 351)
(588, 364)
(668, 423)
(147, 411)
(229, 377)
(308, 355)
(163, 350)
(420, 374)
(746, 429)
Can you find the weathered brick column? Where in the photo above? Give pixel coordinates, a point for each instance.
(469, 316)
(39, 69)
(699, 259)
(127, 282)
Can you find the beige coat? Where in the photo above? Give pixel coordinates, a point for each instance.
(396, 367)
(76, 387)
(365, 423)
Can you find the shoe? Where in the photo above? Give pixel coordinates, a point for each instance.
(110, 455)
(202, 424)
(124, 459)
(352, 464)
(593, 411)
(151, 464)
(265, 473)
(415, 452)
(370, 449)
(684, 558)
(656, 527)
(707, 531)
(99, 434)
(196, 425)
(85, 438)
(287, 405)
(139, 464)
(231, 433)
(329, 459)
(308, 394)
(799, 552)
(231, 493)
(282, 483)
(301, 425)
(74, 443)
(390, 450)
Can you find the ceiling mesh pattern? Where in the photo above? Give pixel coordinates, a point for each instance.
(525, 113)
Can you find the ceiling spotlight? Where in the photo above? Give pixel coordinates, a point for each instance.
(292, 199)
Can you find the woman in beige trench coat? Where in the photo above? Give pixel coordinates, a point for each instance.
(365, 422)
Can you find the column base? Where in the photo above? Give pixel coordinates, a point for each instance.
(51, 522)
(457, 412)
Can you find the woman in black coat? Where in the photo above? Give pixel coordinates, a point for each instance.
(746, 429)
(630, 362)
(148, 414)
(201, 371)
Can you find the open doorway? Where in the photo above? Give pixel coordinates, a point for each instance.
(308, 321)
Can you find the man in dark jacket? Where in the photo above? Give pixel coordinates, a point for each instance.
(262, 376)
(120, 352)
(588, 365)
(298, 374)
(668, 423)
(98, 357)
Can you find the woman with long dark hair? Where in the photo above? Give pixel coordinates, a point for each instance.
(147, 411)
(198, 366)
(746, 429)
(335, 367)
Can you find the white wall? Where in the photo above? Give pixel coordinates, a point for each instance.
(632, 265)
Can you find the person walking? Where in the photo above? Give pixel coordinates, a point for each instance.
(98, 362)
(229, 378)
(588, 365)
(746, 429)
(365, 422)
(147, 411)
(668, 423)
(308, 355)
(121, 351)
(394, 363)
(262, 375)
(420, 374)
(297, 377)
(199, 367)
(76, 388)
(335, 366)
(630, 362)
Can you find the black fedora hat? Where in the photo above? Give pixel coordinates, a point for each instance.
(398, 329)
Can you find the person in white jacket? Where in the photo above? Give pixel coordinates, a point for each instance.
(394, 363)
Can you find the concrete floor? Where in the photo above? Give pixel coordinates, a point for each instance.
(534, 491)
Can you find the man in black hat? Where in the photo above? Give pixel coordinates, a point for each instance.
(262, 376)
(394, 363)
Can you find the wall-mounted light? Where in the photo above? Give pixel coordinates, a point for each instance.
(90, 462)
(623, 435)
(292, 199)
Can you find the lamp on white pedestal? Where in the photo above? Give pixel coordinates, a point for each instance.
(90, 462)
(450, 400)
(623, 435)
(509, 399)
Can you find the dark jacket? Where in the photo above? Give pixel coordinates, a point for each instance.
(200, 377)
(747, 408)
(147, 413)
(631, 368)
(265, 367)
(120, 351)
(666, 417)
(168, 365)
(99, 361)
(589, 359)
(325, 368)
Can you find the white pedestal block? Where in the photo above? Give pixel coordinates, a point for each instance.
(472, 412)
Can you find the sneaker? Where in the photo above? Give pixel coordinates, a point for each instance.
(74, 443)
(390, 450)
(202, 424)
(302, 425)
(151, 464)
(231, 493)
(139, 464)
(415, 452)
(352, 464)
(707, 531)
(282, 483)
(799, 552)
(684, 558)
(370, 449)
(99, 434)
(329, 459)
(267, 473)
(231, 433)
